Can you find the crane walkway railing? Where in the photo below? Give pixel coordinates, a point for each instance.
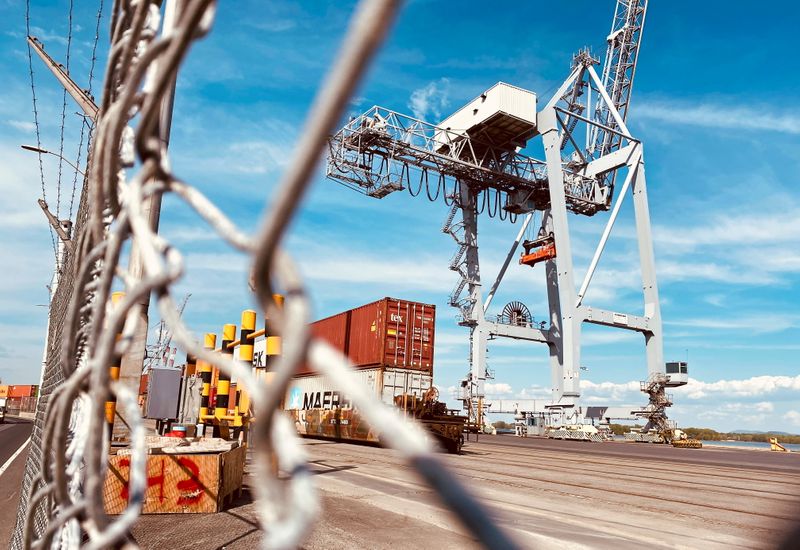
(376, 152)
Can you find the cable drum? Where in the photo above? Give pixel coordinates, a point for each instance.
(516, 314)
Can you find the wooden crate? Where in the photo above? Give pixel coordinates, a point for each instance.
(178, 483)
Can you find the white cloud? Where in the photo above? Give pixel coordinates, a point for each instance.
(609, 391)
(793, 417)
(427, 103)
(22, 125)
(738, 117)
(48, 36)
(764, 406)
(339, 266)
(717, 300)
(749, 388)
(683, 270)
(780, 224)
(757, 247)
(757, 323)
(498, 388)
(258, 156)
(275, 25)
(757, 386)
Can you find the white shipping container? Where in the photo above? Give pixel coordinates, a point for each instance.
(317, 392)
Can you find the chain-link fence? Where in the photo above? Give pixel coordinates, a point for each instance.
(62, 501)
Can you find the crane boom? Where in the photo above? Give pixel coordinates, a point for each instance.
(619, 70)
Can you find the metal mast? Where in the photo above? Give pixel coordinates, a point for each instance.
(619, 69)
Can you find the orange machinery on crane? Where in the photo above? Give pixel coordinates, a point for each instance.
(538, 250)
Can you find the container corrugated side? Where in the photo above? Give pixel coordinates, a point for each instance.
(386, 333)
(334, 330)
(317, 392)
(393, 333)
(28, 390)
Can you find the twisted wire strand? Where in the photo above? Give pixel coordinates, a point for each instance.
(88, 138)
(69, 487)
(64, 115)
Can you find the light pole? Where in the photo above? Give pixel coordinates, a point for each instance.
(46, 152)
(64, 230)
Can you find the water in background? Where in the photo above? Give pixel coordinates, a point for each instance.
(750, 444)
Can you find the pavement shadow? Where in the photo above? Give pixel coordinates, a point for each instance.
(329, 469)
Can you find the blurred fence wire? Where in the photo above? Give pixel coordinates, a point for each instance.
(62, 504)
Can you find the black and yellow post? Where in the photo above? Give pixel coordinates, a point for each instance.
(113, 374)
(204, 367)
(246, 355)
(273, 345)
(224, 381)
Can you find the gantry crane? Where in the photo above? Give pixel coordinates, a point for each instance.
(472, 161)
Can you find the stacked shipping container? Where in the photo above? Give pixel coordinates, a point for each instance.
(390, 343)
(28, 390)
(387, 333)
(19, 398)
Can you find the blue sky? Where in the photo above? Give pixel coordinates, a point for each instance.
(715, 103)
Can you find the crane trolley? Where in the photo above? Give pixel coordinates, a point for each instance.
(538, 250)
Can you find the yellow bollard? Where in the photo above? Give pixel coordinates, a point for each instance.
(224, 380)
(204, 367)
(246, 354)
(113, 374)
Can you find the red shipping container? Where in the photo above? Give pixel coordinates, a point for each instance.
(388, 333)
(333, 330)
(30, 390)
(143, 384)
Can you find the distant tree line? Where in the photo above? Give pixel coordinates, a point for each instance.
(706, 434)
(619, 429)
(712, 435)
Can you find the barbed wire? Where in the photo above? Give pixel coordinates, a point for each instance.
(84, 123)
(68, 490)
(36, 121)
(64, 114)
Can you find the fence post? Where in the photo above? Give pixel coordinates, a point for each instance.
(209, 342)
(246, 354)
(224, 380)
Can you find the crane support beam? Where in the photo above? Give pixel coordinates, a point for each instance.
(611, 161)
(83, 99)
(515, 332)
(614, 319)
(632, 160)
(511, 254)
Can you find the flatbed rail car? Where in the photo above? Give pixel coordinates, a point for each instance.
(320, 411)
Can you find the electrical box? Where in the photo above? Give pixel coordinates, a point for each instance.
(163, 394)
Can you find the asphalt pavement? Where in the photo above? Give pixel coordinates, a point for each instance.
(14, 432)
(545, 493)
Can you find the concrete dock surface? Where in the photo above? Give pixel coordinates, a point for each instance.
(546, 493)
